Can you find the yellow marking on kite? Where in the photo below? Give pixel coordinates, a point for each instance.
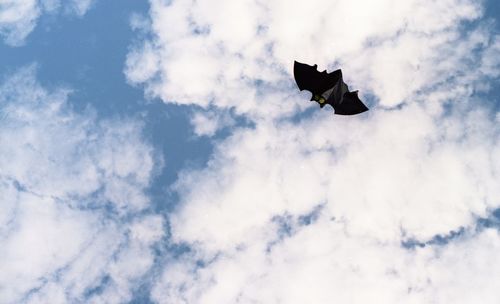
(319, 99)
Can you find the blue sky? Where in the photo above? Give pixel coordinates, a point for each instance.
(88, 54)
(159, 152)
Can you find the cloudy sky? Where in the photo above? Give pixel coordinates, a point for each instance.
(160, 152)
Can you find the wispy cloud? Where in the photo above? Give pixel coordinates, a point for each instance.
(74, 226)
(18, 18)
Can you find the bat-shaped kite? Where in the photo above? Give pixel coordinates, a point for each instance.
(328, 88)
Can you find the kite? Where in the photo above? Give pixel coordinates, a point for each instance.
(328, 88)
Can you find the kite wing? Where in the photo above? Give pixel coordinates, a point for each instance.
(328, 88)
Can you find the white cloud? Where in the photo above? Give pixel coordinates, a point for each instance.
(18, 18)
(78, 7)
(423, 162)
(396, 176)
(392, 49)
(323, 264)
(73, 199)
(208, 122)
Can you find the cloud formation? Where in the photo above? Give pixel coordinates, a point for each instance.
(342, 209)
(293, 207)
(18, 18)
(243, 59)
(73, 220)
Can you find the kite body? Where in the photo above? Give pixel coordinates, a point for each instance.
(328, 88)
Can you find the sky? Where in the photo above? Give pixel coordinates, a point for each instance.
(160, 152)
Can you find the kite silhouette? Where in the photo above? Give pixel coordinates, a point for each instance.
(328, 88)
